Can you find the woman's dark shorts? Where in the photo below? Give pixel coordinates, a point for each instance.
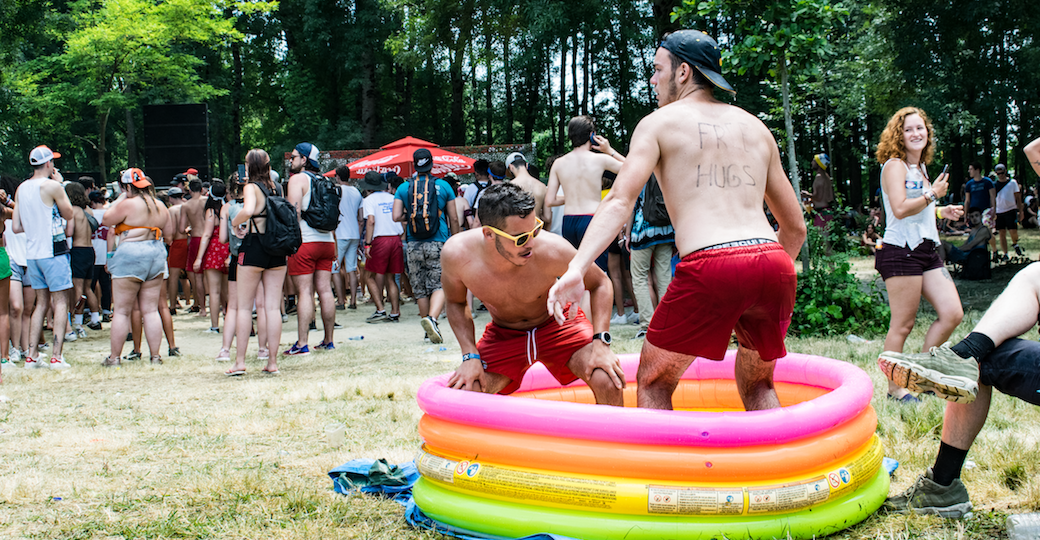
(251, 253)
(893, 261)
(1007, 221)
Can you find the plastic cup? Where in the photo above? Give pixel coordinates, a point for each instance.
(334, 434)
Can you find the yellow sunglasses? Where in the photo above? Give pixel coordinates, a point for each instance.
(523, 239)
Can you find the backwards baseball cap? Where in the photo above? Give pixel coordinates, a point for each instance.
(700, 51)
(423, 160)
(310, 152)
(514, 157)
(175, 192)
(41, 154)
(136, 178)
(192, 171)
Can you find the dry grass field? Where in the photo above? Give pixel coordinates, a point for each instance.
(181, 451)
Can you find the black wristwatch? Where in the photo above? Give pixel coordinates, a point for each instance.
(604, 337)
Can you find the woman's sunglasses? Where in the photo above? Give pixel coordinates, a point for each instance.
(523, 239)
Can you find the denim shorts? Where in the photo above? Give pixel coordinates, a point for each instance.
(143, 261)
(19, 273)
(346, 253)
(1014, 369)
(54, 274)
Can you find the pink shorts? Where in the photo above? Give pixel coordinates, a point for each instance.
(512, 352)
(311, 257)
(747, 289)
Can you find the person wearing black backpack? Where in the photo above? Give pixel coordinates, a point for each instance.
(311, 267)
(426, 206)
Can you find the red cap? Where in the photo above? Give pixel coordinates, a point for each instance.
(193, 171)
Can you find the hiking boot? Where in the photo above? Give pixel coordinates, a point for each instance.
(432, 331)
(378, 316)
(927, 497)
(939, 371)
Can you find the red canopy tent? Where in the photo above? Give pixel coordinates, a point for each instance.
(396, 158)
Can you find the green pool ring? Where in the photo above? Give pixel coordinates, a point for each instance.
(517, 520)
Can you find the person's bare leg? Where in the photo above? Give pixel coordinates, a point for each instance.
(167, 319)
(658, 375)
(394, 294)
(375, 283)
(963, 422)
(938, 288)
(754, 378)
(5, 317)
(337, 281)
(1003, 241)
(60, 323)
(124, 293)
(353, 279)
(171, 288)
(323, 284)
(28, 308)
(136, 326)
(230, 317)
(15, 313)
(599, 381)
(904, 297)
(261, 315)
(148, 300)
(248, 278)
(1016, 310)
(213, 287)
(304, 305)
(424, 306)
(614, 273)
(43, 300)
(437, 303)
(273, 279)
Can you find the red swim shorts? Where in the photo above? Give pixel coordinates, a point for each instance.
(749, 289)
(178, 257)
(386, 256)
(193, 251)
(311, 257)
(512, 352)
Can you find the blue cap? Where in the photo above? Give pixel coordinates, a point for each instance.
(310, 152)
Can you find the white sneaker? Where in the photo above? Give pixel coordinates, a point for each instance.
(618, 319)
(15, 354)
(71, 336)
(633, 318)
(59, 363)
(285, 318)
(32, 364)
(80, 332)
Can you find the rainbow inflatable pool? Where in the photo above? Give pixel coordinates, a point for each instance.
(548, 460)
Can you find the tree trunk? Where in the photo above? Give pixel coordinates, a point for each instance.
(855, 168)
(574, 76)
(563, 93)
(792, 161)
(662, 10)
(506, 74)
(488, 130)
(368, 98)
(101, 148)
(131, 139)
(236, 104)
(585, 68)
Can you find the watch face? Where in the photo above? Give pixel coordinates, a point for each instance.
(604, 337)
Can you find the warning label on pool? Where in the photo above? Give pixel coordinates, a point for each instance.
(436, 467)
(692, 501)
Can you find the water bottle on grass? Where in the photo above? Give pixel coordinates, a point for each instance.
(1024, 527)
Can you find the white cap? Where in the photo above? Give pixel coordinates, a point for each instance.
(512, 158)
(41, 154)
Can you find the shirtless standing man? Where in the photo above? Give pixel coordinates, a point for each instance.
(510, 267)
(194, 211)
(178, 257)
(580, 173)
(516, 165)
(716, 164)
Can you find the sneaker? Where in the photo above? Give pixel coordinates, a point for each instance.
(352, 306)
(263, 354)
(296, 350)
(393, 318)
(129, 337)
(907, 399)
(174, 351)
(213, 330)
(71, 336)
(337, 326)
(106, 317)
(341, 307)
(16, 355)
(1018, 251)
(312, 327)
(432, 331)
(939, 371)
(290, 308)
(285, 318)
(323, 346)
(59, 363)
(5, 362)
(632, 318)
(641, 334)
(94, 325)
(43, 346)
(927, 497)
(378, 316)
(32, 364)
(133, 356)
(618, 319)
(224, 355)
(80, 332)
(996, 257)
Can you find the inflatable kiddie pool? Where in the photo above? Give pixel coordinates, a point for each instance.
(547, 459)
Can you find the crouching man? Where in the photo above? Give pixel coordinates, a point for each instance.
(510, 267)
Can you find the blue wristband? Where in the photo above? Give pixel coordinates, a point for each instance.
(474, 356)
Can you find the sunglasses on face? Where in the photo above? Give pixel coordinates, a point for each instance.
(524, 238)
